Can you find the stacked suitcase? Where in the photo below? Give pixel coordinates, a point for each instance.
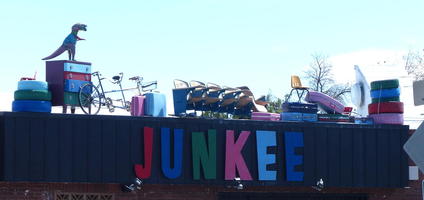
(334, 108)
(325, 102)
(265, 116)
(137, 105)
(335, 118)
(300, 112)
(32, 96)
(386, 107)
(65, 79)
(154, 104)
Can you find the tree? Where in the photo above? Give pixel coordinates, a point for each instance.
(320, 78)
(274, 105)
(414, 64)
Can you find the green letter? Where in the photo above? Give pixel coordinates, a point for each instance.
(201, 156)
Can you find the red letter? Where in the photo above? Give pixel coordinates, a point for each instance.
(145, 171)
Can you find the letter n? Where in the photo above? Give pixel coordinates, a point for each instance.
(201, 156)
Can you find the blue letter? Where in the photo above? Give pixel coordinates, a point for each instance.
(264, 139)
(293, 140)
(174, 172)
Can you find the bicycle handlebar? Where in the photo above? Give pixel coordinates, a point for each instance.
(149, 84)
(96, 73)
(136, 78)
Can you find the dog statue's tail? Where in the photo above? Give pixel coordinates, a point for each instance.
(59, 51)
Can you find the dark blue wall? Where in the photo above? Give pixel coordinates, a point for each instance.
(81, 148)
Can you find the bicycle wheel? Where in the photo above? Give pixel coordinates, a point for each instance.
(89, 99)
(128, 106)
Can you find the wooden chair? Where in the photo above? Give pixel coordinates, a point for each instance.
(247, 99)
(199, 92)
(183, 92)
(296, 85)
(214, 93)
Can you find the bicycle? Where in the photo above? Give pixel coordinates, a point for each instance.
(94, 96)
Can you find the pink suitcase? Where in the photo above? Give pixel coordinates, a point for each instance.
(137, 105)
(327, 103)
(265, 116)
(387, 118)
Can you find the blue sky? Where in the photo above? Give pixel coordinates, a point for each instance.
(233, 42)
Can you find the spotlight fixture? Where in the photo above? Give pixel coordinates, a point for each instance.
(236, 184)
(137, 184)
(319, 186)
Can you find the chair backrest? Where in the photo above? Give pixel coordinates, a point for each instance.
(180, 84)
(197, 84)
(213, 86)
(245, 91)
(213, 89)
(295, 82)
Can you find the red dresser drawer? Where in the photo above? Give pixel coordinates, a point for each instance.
(77, 76)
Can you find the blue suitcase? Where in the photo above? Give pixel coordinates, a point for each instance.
(155, 104)
(291, 116)
(299, 107)
(74, 85)
(309, 117)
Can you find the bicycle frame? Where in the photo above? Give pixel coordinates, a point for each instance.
(104, 100)
(94, 95)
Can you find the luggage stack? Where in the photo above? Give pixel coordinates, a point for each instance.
(299, 112)
(65, 78)
(386, 107)
(32, 96)
(335, 109)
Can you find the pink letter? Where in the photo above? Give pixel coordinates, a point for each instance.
(233, 157)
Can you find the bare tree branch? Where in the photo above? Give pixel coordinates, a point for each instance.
(414, 64)
(320, 78)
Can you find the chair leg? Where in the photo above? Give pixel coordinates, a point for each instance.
(288, 97)
(299, 96)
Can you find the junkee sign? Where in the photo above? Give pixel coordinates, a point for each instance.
(272, 152)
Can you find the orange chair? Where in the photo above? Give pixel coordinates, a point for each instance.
(296, 85)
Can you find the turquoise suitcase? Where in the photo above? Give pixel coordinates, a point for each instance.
(80, 68)
(155, 104)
